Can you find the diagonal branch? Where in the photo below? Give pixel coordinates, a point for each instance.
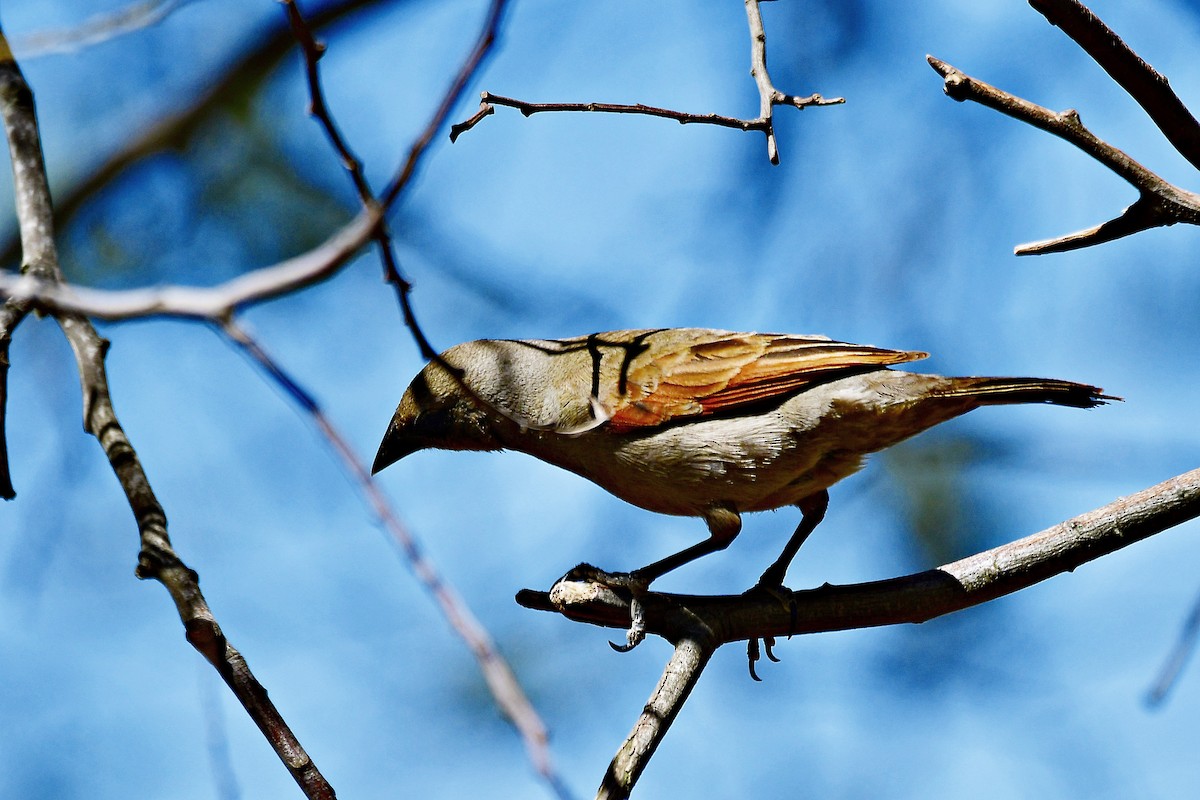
(501, 681)
(1160, 203)
(1148, 87)
(769, 98)
(157, 558)
(682, 672)
(100, 28)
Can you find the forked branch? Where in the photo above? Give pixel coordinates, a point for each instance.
(705, 623)
(1159, 203)
(769, 98)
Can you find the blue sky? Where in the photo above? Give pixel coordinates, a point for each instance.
(890, 221)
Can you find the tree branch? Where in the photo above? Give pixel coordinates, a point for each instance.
(704, 623)
(678, 679)
(157, 558)
(97, 29)
(198, 303)
(1149, 88)
(769, 97)
(502, 683)
(239, 79)
(1160, 203)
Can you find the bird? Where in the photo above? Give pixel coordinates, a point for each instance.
(695, 421)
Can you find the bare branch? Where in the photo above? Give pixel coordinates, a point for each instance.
(1149, 88)
(11, 314)
(199, 303)
(1161, 203)
(700, 624)
(769, 97)
(678, 679)
(582, 594)
(97, 29)
(682, 117)
(501, 681)
(157, 558)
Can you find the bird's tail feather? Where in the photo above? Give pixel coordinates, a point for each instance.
(999, 391)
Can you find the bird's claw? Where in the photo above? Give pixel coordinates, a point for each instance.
(754, 655)
(624, 584)
(637, 627)
(787, 599)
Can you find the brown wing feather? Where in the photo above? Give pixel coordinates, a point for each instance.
(727, 370)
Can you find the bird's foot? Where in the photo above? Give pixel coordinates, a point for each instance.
(629, 586)
(787, 599)
(637, 586)
(754, 654)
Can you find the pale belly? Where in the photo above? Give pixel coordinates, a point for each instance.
(753, 464)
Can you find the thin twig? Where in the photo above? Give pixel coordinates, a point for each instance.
(157, 559)
(501, 682)
(769, 97)
(174, 130)
(1189, 635)
(11, 314)
(199, 303)
(1148, 87)
(97, 29)
(1160, 203)
(682, 117)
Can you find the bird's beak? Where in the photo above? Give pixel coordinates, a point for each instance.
(396, 445)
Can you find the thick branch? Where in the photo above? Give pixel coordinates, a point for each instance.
(1148, 87)
(157, 559)
(912, 598)
(700, 624)
(1161, 203)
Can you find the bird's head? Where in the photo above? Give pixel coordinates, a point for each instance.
(435, 412)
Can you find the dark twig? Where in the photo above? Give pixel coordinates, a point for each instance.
(1160, 203)
(712, 621)
(157, 558)
(11, 314)
(1149, 88)
(769, 97)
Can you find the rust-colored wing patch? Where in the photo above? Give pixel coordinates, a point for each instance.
(711, 371)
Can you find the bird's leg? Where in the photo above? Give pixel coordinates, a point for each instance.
(724, 524)
(813, 508)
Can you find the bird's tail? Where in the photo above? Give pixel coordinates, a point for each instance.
(1000, 391)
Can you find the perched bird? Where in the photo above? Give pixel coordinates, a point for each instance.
(692, 421)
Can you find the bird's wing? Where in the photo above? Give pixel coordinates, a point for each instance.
(707, 372)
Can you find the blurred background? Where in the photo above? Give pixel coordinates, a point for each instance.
(890, 221)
